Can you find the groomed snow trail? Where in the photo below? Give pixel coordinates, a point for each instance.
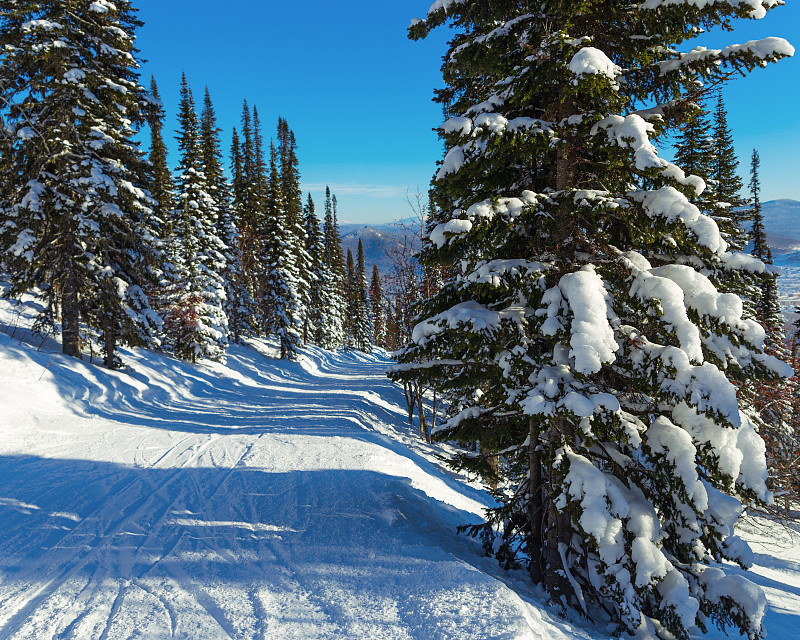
(257, 499)
(254, 499)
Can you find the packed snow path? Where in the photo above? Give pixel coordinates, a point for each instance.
(255, 499)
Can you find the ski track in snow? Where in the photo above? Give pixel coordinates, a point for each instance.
(257, 499)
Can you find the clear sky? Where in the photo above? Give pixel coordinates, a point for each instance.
(357, 92)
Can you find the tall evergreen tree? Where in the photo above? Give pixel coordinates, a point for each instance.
(263, 220)
(211, 153)
(695, 152)
(248, 203)
(280, 298)
(259, 176)
(376, 304)
(237, 171)
(316, 316)
(292, 199)
(160, 184)
(162, 189)
(351, 297)
(249, 165)
(581, 332)
(238, 305)
(196, 321)
(77, 223)
(729, 206)
(770, 397)
(334, 263)
(333, 238)
(759, 233)
(363, 327)
(289, 172)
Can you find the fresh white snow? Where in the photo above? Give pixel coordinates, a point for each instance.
(253, 499)
(591, 61)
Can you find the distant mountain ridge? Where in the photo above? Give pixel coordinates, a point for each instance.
(379, 241)
(781, 218)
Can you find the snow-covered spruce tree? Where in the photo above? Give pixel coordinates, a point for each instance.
(728, 209)
(238, 305)
(728, 205)
(582, 330)
(196, 322)
(280, 299)
(363, 327)
(759, 233)
(261, 225)
(248, 202)
(77, 223)
(161, 188)
(293, 220)
(352, 302)
(160, 182)
(321, 304)
(358, 324)
(771, 398)
(694, 153)
(376, 304)
(334, 262)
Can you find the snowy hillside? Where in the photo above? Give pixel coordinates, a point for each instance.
(378, 241)
(782, 221)
(254, 499)
(789, 283)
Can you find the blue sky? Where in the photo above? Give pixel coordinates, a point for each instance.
(357, 92)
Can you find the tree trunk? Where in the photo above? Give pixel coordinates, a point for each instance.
(565, 162)
(435, 410)
(558, 525)
(110, 340)
(535, 505)
(408, 391)
(55, 301)
(494, 464)
(235, 319)
(70, 313)
(424, 434)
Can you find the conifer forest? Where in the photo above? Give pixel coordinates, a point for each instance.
(566, 409)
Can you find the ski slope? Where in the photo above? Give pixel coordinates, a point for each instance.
(251, 499)
(255, 499)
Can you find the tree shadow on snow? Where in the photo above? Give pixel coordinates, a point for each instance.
(74, 529)
(168, 394)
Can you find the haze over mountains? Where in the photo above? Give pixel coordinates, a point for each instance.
(782, 220)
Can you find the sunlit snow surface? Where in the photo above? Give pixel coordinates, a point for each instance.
(254, 499)
(789, 281)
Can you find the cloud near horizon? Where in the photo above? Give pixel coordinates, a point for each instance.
(369, 190)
